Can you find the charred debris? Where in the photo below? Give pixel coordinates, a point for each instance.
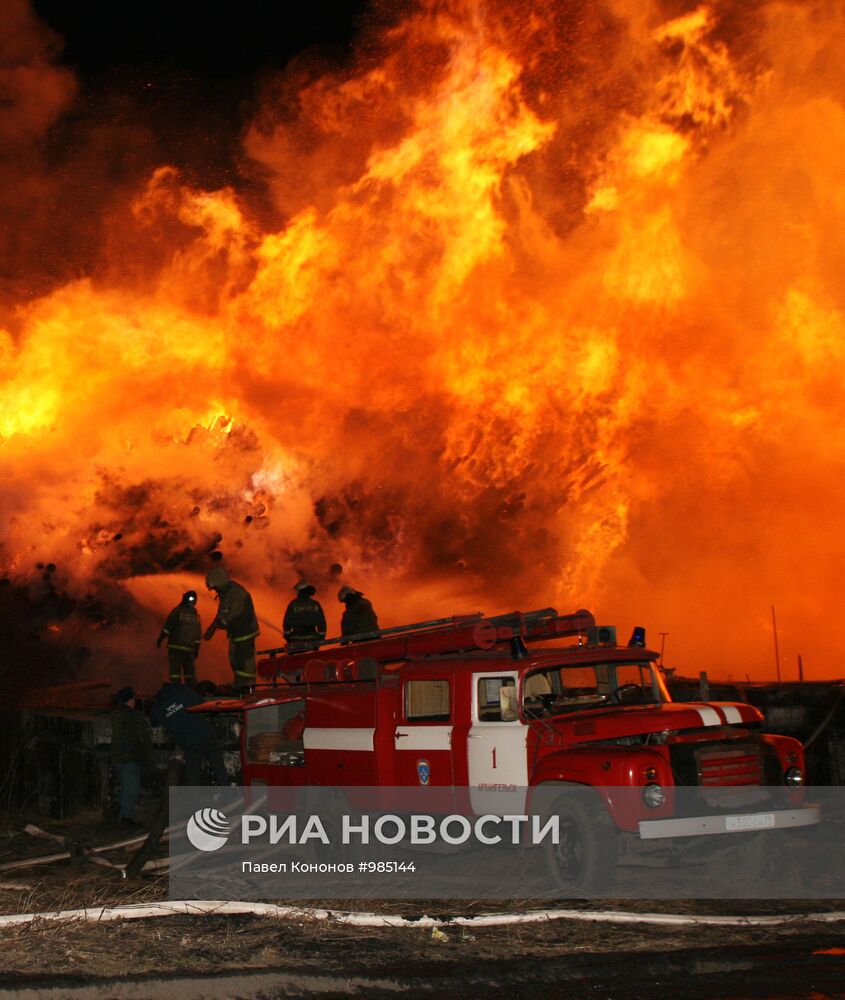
(810, 711)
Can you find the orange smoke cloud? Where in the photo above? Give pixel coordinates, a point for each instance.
(553, 314)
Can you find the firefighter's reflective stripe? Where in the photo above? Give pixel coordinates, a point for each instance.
(309, 638)
(709, 716)
(245, 673)
(316, 738)
(243, 638)
(186, 649)
(422, 737)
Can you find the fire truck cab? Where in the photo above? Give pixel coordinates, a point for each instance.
(485, 705)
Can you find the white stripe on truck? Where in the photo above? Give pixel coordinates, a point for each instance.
(423, 737)
(338, 739)
(709, 716)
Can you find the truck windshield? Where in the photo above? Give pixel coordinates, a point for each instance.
(555, 690)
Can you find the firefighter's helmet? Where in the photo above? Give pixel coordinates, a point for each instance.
(216, 578)
(189, 597)
(303, 585)
(346, 592)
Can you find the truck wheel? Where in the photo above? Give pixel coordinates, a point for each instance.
(584, 860)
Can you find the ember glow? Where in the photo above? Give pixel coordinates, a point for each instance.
(549, 310)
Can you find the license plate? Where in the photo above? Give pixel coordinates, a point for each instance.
(756, 821)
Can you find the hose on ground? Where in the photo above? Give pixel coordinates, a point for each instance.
(210, 908)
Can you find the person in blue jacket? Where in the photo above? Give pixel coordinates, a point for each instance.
(191, 732)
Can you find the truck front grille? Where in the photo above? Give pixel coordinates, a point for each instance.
(721, 767)
(728, 774)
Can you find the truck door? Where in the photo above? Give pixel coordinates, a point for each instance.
(422, 738)
(496, 745)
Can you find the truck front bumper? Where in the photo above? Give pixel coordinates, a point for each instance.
(698, 826)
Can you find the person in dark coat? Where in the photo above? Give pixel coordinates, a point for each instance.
(235, 614)
(359, 618)
(183, 632)
(130, 749)
(304, 624)
(191, 732)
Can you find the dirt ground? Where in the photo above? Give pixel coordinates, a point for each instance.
(316, 959)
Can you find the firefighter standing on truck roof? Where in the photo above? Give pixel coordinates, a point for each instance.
(359, 618)
(304, 624)
(183, 632)
(236, 615)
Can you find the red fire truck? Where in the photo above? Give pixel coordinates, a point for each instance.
(517, 703)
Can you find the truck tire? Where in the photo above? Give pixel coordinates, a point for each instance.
(584, 861)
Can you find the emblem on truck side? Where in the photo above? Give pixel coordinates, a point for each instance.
(424, 771)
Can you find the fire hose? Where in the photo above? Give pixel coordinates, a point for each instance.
(211, 908)
(46, 859)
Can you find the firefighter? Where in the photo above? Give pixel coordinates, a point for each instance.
(304, 624)
(183, 632)
(192, 733)
(358, 615)
(236, 615)
(130, 749)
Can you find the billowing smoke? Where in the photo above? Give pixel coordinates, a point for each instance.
(34, 93)
(546, 309)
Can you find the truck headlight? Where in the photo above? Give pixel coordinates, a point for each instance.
(793, 776)
(654, 796)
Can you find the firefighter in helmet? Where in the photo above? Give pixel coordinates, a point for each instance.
(359, 618)
(304, 623)
(236, 616)
(183, 632)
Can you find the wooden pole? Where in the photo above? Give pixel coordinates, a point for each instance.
(777, 651)
(145, 851)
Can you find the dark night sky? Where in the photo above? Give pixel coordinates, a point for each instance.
(156, 82)
(211, 40)
(190, 73)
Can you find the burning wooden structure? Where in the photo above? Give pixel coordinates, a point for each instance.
(58, 744)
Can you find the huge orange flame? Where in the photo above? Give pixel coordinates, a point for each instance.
(553, 314)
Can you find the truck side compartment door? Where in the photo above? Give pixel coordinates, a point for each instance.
(422, 738)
